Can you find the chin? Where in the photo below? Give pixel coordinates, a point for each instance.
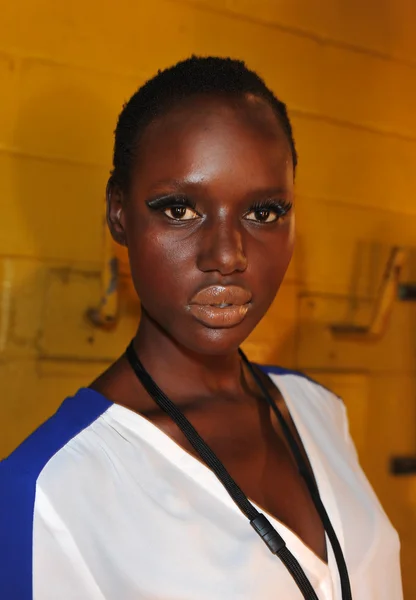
(216, 342)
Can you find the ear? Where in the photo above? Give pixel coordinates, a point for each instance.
(115, 212)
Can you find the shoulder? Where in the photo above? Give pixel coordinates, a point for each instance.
(316, 405)
(302, 379)
(308, 396)
(74, 415)
(19, 473)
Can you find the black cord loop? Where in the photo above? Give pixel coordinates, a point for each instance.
(259, 522)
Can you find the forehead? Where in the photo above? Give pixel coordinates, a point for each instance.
(234, 141)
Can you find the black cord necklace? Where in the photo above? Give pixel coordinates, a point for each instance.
(258, 521)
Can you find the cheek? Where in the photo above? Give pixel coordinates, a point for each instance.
(285, 245)
(270, 261)
(162, 269)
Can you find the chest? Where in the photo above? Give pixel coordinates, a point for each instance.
(148, 520)
(250, 444)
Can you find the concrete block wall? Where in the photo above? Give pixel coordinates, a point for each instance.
(347, 70)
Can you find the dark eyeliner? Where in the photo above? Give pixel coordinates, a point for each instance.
(169, 201)
(280, 207)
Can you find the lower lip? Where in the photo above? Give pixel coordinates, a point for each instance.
(219, 318)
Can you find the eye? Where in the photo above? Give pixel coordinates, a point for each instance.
(175, 208)
(262, 215)
(180, 213)
(268, 212)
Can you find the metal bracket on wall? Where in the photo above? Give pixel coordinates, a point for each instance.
(104, 316)
(404, 465)
(382, 306)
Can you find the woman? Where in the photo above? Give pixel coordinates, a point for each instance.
(139, 486)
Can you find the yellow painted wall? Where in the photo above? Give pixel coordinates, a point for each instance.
(346, 68)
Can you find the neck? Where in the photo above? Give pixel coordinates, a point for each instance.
(181, 372)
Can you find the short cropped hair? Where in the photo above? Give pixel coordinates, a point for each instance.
(195, 75)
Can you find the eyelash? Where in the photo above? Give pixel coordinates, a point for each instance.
(280, 208)
(161, 204)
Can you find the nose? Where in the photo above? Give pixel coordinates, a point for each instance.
(222, 249)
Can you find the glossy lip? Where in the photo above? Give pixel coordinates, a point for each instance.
(220, 306)
(214, 295)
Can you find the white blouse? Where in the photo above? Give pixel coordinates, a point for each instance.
(100, 504)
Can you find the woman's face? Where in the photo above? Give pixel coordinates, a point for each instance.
(208, 220)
